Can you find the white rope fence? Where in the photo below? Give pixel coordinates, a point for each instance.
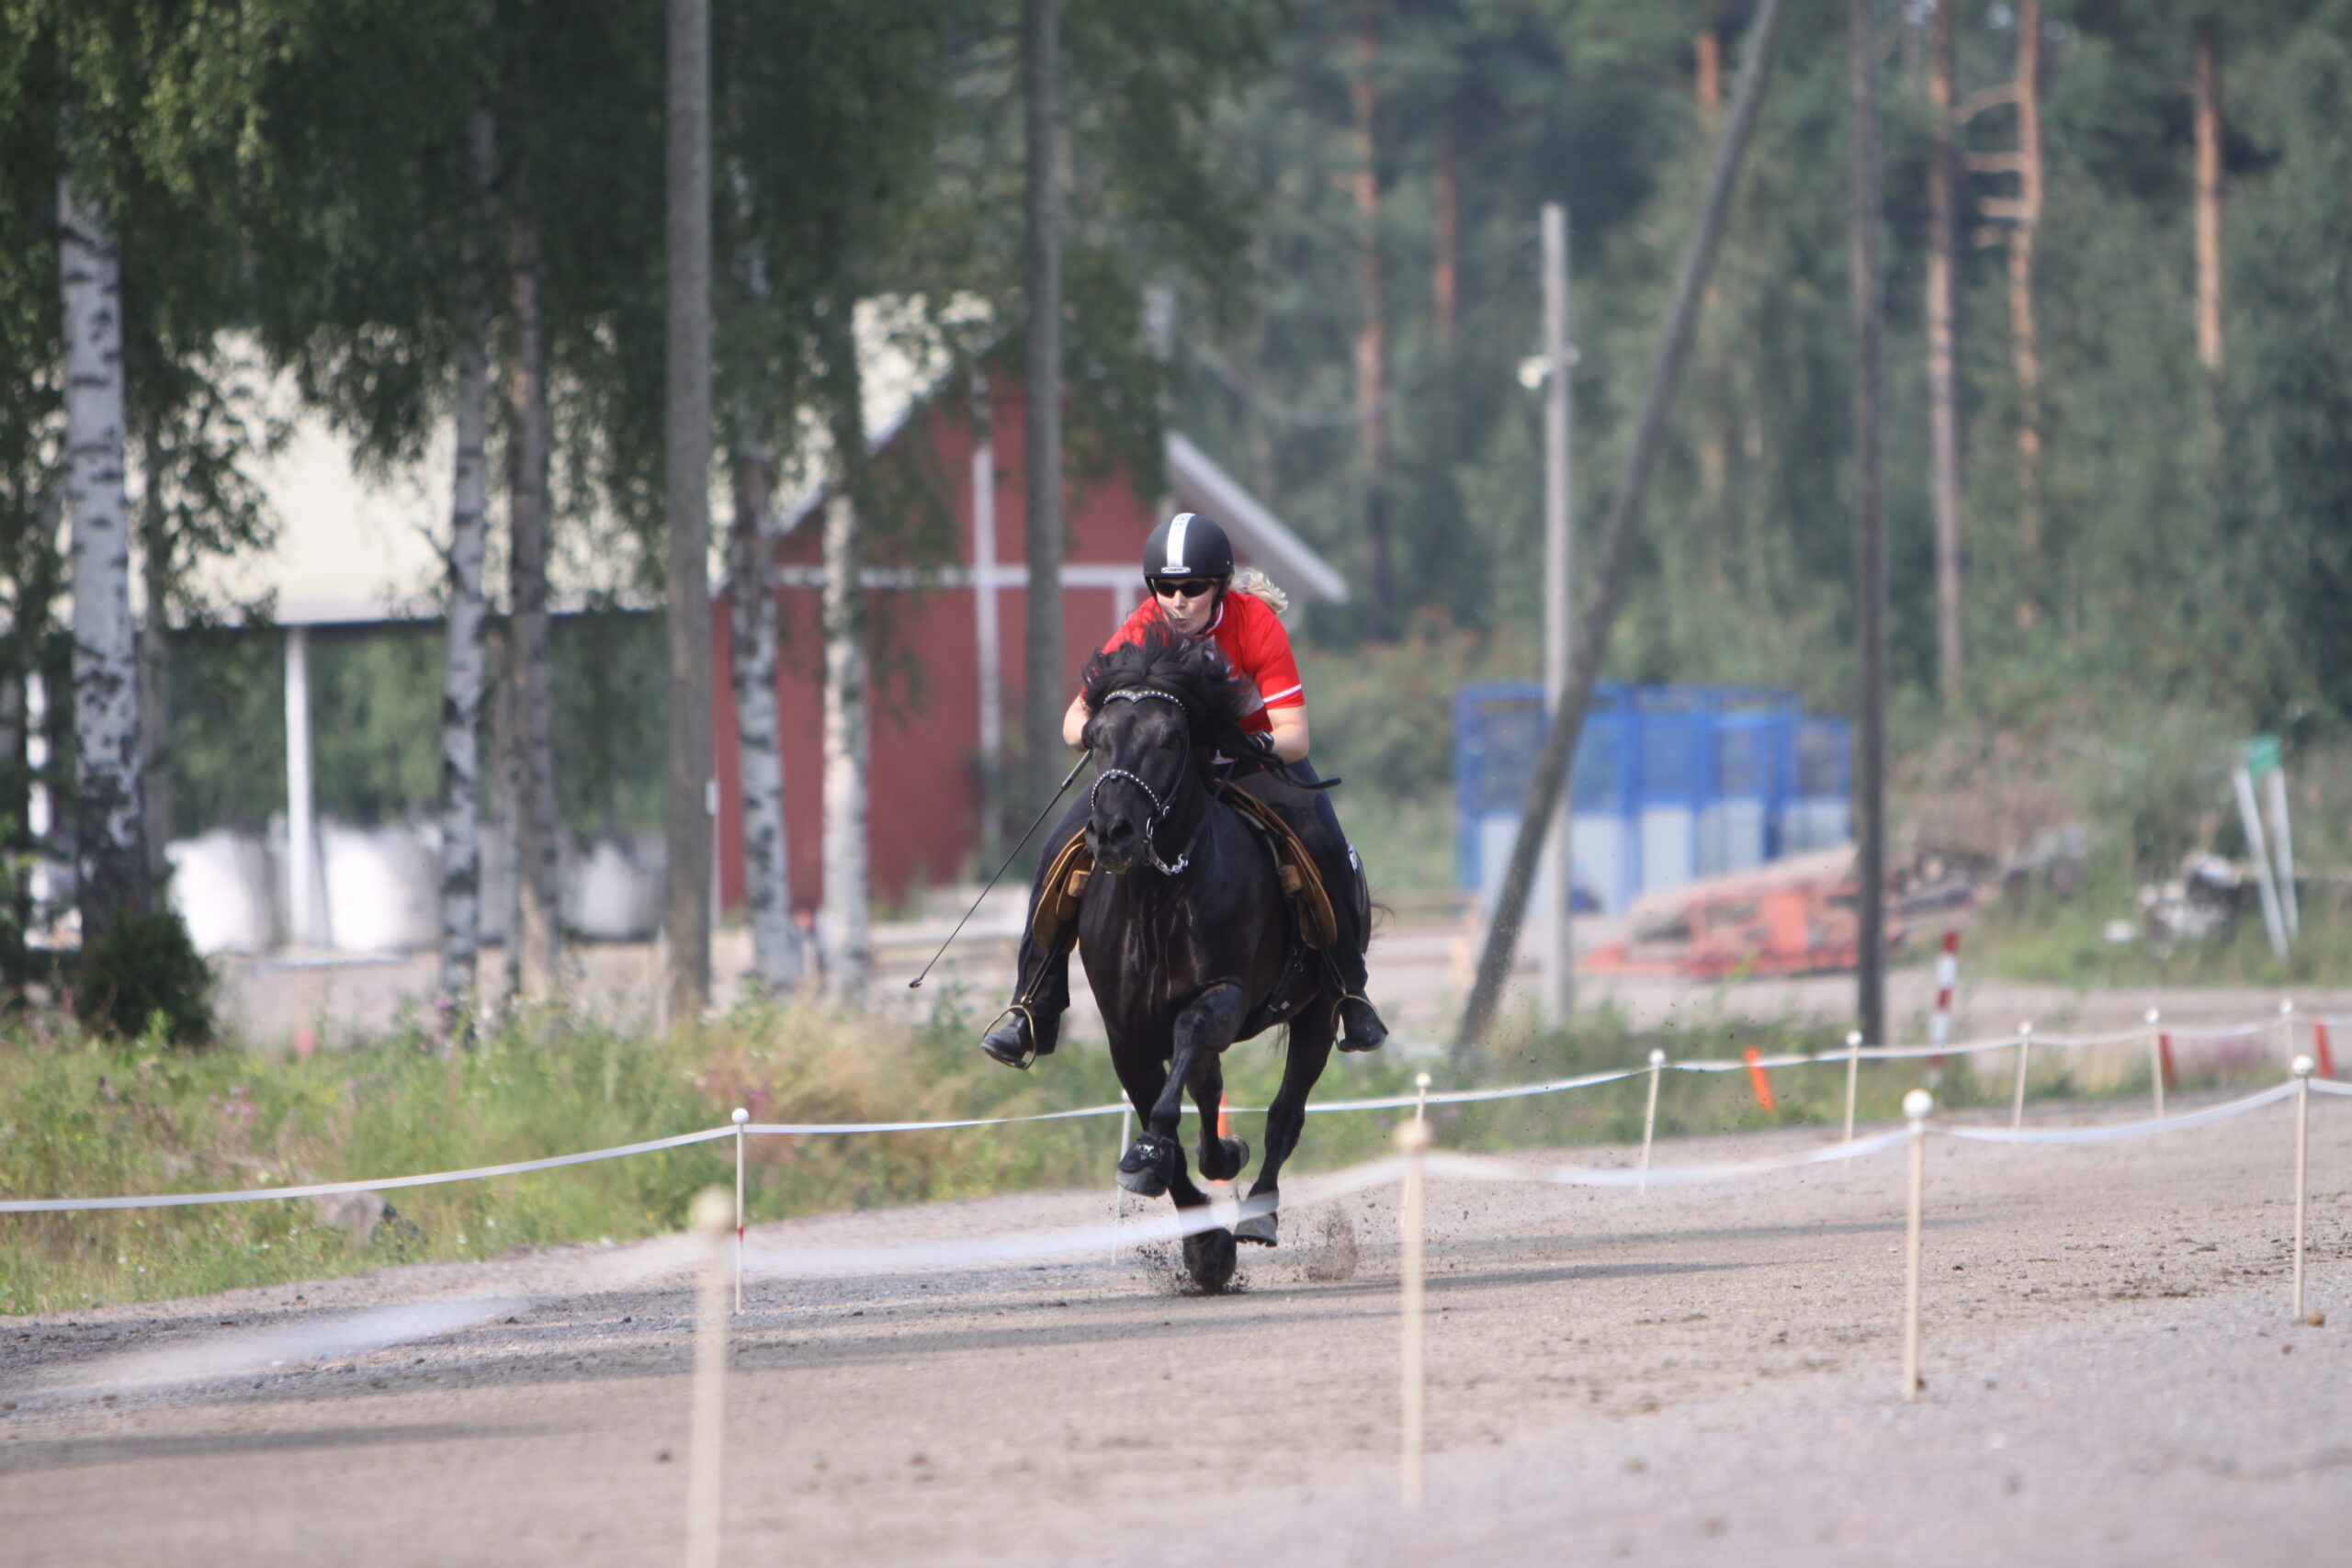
(1754, 1063)
(1413, 1165)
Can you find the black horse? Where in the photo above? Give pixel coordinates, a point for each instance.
(1188, 939)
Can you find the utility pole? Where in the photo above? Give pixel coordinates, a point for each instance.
(1042, 448)
(1617, 532)
(1559, 607)
(1944, 358)
(690, 790)
(1870, 545)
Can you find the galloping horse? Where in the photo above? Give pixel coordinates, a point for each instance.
(1187, 942)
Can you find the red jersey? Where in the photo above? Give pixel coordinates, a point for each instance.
(1251, 637)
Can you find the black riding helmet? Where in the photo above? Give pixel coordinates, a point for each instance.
(1188, 545)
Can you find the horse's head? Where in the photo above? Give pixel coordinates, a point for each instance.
(1155, 704)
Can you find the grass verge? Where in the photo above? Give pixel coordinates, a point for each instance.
(90, 1117)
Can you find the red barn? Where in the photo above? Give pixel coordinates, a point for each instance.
(924, 811)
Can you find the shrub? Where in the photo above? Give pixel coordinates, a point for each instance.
(145, 973)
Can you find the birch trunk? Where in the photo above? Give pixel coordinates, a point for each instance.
(155, 652)
(686, 816)
(767, 866)
(462, 663)
(106, 652)
(846, 744)
(537, 942)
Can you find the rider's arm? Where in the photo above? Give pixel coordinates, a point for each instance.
(1290, 732)
(1074, 722)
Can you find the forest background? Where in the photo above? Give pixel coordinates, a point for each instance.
(1339, 200)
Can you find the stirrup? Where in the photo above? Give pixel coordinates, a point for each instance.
(1029, 1056)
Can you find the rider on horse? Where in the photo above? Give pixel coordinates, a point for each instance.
(1187, 565)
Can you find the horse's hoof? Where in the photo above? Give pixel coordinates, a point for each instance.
(1209, 1259)
(1258, 1228)
(1141, 1168)
(1224, 1159)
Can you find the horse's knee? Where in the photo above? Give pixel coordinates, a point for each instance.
(1212, 1016)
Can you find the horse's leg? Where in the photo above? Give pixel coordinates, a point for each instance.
(1155, 1160)
(1222, 1158)
(1144, 1077)
(1310, 1048)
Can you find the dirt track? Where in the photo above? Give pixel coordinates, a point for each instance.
(1697, 1374)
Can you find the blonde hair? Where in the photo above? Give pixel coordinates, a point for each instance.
(1250, 579)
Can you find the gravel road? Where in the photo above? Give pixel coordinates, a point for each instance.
(1696, 1375)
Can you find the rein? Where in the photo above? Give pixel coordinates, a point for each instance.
(1160, 808)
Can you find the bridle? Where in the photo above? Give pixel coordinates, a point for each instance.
(1160, 808)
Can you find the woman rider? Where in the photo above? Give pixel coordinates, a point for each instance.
(1187, 565)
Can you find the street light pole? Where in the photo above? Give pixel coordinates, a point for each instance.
(1559, 606)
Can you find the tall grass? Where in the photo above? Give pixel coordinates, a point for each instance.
(90, 1117)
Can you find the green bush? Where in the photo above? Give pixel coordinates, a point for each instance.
(144, 974)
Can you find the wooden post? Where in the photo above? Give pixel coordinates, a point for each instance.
(739, 1118)
(1649, 1117)
(707, 1434)
(2156, 1060)
(2024, 1058)
(2303, 1070)
(1853, 1076)
(1917, 1107)
(1413, 1138)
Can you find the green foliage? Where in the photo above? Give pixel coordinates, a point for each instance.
(88, 1115)
(144, 980)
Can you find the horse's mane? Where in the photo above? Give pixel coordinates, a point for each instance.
(1194, 672)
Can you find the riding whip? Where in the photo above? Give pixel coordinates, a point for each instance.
(916, 984)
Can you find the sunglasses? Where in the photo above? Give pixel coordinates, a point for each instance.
(1188, 588)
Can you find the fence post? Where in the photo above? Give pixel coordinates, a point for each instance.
(2025, 1055)
(706, 1435)
(1413, 1139)
(1649, 1118)
(740, 1118)
(2156, 1062)
(2303, 1070)
(1916, 1106)
(1118, 1199)
(1853, 1076)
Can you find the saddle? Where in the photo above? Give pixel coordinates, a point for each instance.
(1055, 921)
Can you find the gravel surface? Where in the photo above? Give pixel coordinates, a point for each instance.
(1693, 1374)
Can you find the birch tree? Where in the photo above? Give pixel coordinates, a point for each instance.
(535, 945)
(767, 867)
(687, 478)
(848, 723)
(463, 663)
(105, 659)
